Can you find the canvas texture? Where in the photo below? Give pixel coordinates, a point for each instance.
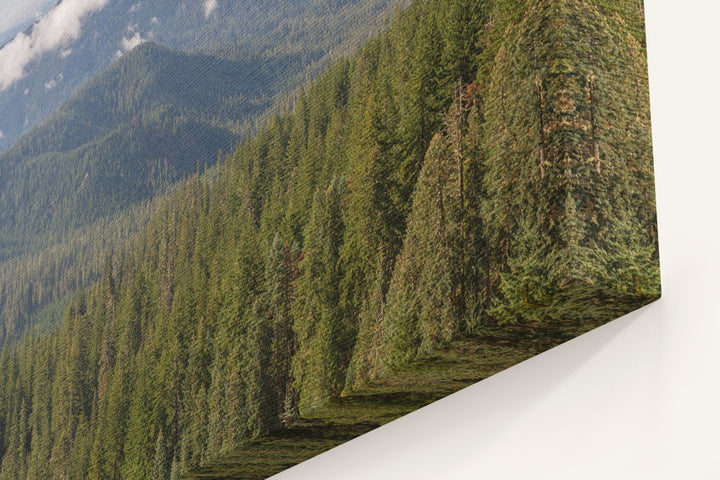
(234, 235)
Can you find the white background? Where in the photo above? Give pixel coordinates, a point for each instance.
(636, 399)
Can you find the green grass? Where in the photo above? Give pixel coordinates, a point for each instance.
(467, 360)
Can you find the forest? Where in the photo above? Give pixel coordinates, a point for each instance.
(480, 166)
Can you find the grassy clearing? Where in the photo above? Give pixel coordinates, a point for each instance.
(467, 361)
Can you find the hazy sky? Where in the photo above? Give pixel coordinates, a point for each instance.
(18, 14)
(54, 32)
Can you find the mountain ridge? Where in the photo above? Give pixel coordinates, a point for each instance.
(248, 27)
(174, 110)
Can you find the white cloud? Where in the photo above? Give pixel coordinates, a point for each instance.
(128, 44)
(154, 20)
(134, 7)
(17, 15)
(54, 82)
(132, 42)
(56, 30)
(2, 135)
(210, 6)
(66, 53)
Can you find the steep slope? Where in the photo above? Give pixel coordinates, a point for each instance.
(352, 239)
(140, 126)
(126, 136)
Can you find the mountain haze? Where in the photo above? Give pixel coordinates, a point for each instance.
(53, 69)
(155, 115)
(138, 127)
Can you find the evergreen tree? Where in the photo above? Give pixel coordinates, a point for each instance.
(161, 470)
(216, 416)
(558, 164)
(261, 401)
(280, 275)
(367, 360)
(423, 311)
(325, 338)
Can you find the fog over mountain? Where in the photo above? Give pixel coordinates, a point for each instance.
(18, 14)
(45, 63)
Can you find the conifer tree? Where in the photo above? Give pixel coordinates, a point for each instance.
(280, 275)
(193, 454)
(216, 413)
(325, 338)
(477, 272)
(234, 408)
(161, 469)
(13, 465)
(367, 359)
(462, 32)
(38, 460)
(258, 362)
(423, 311)
(560, 163)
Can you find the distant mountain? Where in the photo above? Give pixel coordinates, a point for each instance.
(53, 70)
(156, 114)
(140, 126)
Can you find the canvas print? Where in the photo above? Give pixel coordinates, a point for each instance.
(236, 234)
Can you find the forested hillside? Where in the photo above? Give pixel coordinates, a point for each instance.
(482, 164)
(137, 128)
(154, 117)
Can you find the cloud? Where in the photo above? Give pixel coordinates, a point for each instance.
(66, 53)
(2, 135)
(134, 7)
(210, 6)
(16, 15)
(55, 30)
(128, 44)
(53, 82)
(154, 20)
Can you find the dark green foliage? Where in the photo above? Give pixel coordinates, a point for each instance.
(561, 207)
(423, 310)
(325, 338)
(479, 172)
(271, 395)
